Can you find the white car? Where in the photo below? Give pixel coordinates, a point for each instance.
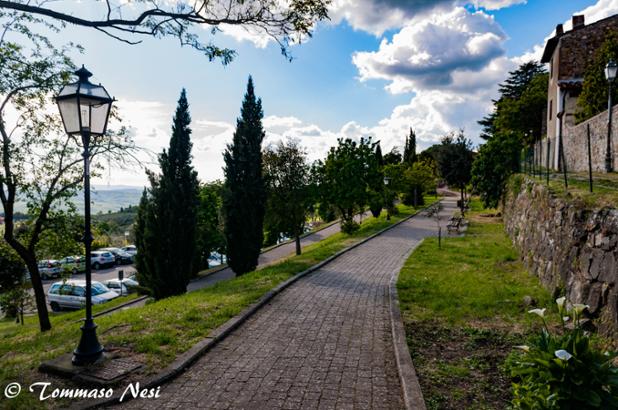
(131, 250)
(72, 294)
(101, 259)
(122, 287)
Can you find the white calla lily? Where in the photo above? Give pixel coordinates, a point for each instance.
(563, 355)
(539, 312)
(523, 347)
(560, 302)
(579, 307)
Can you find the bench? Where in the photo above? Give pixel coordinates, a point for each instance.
(454, 224)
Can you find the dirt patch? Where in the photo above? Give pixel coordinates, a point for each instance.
(461, 368)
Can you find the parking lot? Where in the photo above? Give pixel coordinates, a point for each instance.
(100, 275)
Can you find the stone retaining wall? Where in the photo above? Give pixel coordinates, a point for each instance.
(573, 250)
(576, 144)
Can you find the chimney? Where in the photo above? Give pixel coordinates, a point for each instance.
(578, 21)
(559, 30)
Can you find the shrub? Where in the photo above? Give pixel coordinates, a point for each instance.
(563, 370)
(349, 226)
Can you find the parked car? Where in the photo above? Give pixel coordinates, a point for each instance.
(102, 259)
(122, 287)
(72, 294)
(73, 264)
(121, 257)
(49, 268)
(131, 250)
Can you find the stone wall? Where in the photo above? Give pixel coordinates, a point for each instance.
(573, 250)
(576, 144)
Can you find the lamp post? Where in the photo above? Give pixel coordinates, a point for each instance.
(610, 75)
(387, 181)
(84, 108)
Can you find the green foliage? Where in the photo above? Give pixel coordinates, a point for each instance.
(13, 293)
(347, 176)
(287, 176)
(563, 370)
(393, 157)
(594, 96)
(409, 150)
(521, 105)
(455, 160)
(11, 268)
(62, 236)
(496, 161)
(167, 216)
(244, 195)
(417, 180)
(209, 235)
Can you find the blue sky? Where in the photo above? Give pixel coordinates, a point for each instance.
(377, 68)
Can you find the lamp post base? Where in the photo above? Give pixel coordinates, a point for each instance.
(89, 350)
(609, 166)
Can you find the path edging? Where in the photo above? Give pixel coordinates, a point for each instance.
(412, 394)
(189, 357)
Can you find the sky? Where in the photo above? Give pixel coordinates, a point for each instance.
(377, 68)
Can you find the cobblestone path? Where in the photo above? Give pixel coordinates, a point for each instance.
(325, 342)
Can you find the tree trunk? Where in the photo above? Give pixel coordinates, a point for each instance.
(39, 293)
(298, 250)
(462, 202)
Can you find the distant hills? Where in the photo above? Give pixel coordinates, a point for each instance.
(105, 198)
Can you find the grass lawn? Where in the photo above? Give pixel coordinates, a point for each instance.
(463, 312)
(158, 332)
(605, 188)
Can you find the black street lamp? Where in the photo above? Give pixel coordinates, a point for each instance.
(84, 108)
(387, 181)
(610, 75)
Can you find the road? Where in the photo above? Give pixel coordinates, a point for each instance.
(266, 258)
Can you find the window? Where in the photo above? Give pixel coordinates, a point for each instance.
(54, 289)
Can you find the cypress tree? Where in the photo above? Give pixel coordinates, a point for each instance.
(244, 197)
(409, 152)
(165, 229)
(379, 156)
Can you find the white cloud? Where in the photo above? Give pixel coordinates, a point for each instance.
(429, 52)
(497, 4)
(378, 16)
(596, 12)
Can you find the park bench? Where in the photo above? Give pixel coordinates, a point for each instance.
(454, 224)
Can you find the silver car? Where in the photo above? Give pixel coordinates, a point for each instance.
(49, 269)
(72, 294)
(122, 287)
(131, 250)
(102, 259)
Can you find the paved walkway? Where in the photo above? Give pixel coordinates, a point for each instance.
(325, 342)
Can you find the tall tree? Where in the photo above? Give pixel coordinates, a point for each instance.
(244, 196)
(393, 157)
(455, 162)
(287, 176)
(409, 152)
(166, 223)
(379, 156)
(497, 159)
(39, 163)
(284, 22)
(523, 93)
(593, 98)
(346, 173)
